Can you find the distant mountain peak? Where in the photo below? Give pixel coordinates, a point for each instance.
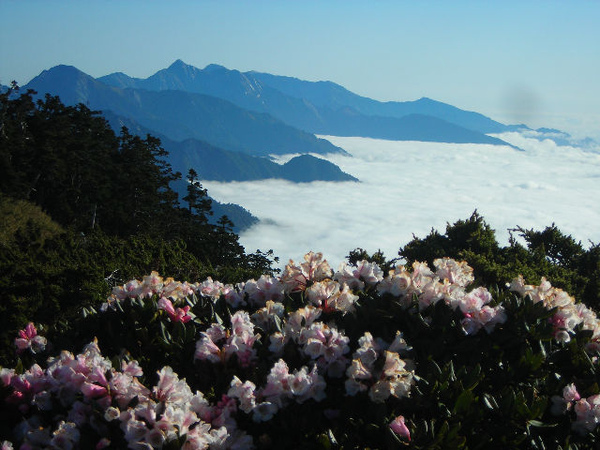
(179, 64)
(64, 68)
(63, 72)
(180, 67)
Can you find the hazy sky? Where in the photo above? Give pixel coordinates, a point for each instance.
(536, 62)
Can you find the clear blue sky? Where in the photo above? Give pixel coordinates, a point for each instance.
(536, 62)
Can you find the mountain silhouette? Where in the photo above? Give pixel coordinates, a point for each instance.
(318, 107)
(181, 115)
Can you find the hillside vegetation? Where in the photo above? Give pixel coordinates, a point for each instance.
(84, 209)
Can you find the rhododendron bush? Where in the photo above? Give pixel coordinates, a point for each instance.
(419, 356)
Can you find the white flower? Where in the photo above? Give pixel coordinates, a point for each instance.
(398, 283)
(457, 273)
(244, 392)
(264, 411)
(170, 388)
(356, 276)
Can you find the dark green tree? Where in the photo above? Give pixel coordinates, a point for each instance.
(199, 203)
(144, 199)
(547, 253)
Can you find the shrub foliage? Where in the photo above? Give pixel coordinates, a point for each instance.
(84, 209)
(355, 358)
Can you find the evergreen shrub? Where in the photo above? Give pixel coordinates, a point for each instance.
(424, 356)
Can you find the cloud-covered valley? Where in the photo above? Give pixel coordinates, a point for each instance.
(409, 188)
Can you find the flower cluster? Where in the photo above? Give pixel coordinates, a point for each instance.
(448, 283)
(150, 285)
(218, 344)
(356, 277)
(265, 289)
(568, 315)
(330, 296)
(322, 343)
(300, 338)
(254, 292)
(301, 385)
(92, 393)
(270, 316)
(587, 410)
(30, 340)
(296, 277)
(394, 378)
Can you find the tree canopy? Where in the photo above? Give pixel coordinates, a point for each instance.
(85, 208)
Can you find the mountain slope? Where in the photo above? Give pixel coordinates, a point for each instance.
(181, 115)
(331, 95)
(214, 163)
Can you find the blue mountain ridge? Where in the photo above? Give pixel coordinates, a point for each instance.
(221, 121)
(320, 107)
(181, 115)
(216, 164)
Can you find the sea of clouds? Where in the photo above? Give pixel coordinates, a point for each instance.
(409, 188)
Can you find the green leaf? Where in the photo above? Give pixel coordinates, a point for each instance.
(436, 369)
(451, 374)
(538, 424)
(489, 401)
(324, 441)
(464, 402)
(164, 333)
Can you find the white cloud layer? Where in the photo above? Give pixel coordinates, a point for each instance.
(409, 188)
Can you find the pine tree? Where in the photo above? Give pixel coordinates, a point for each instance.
(199, 203)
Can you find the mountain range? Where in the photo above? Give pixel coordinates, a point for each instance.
(260, 113)
(320, 107)
(226, 123)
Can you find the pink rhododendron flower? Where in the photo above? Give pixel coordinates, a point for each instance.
(588, 414)
(328, 296)
(265, 289)
(570, 393)
(175, 314)
(210, 288)
(6, 375)
(395, 378)
(457, 273)
(66, 436)
(421, 275)
(356, 276)
(568, 315)
(399, 427)
(325, 344)
(244, 392)
(151, 285)
(29, 339)
(475, 300)
(218, 345)
(170, 388)
(234, 296)
(397, 283)
(267, 316)
(314, 268)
